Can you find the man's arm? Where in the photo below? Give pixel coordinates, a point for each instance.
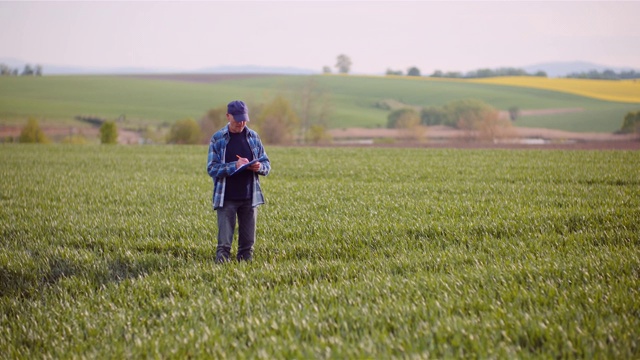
(216, 168)
(265, 165)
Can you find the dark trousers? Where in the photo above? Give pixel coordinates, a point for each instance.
(247, 216)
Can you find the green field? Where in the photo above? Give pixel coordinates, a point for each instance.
(353, 99)
(107, 252)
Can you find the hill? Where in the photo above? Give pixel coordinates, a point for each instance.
(57, 69)
(355, 101)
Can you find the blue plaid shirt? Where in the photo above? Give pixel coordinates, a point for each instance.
(219, 170)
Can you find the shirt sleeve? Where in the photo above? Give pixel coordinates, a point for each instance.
(216, 167)
(265, 165)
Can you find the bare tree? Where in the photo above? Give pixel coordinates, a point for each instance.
(312, 107)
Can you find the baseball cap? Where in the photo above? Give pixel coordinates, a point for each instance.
(239, 110)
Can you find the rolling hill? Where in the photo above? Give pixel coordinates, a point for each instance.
(354, 100)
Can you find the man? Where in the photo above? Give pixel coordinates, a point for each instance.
(236, 189)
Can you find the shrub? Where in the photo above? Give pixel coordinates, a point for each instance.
(317, 134)
(433, 116)
(32, 133)
(467, 114)
(631, 123)
(278, 122)
(403, 119)
(211, 122)
(186, 131)
(109, 133)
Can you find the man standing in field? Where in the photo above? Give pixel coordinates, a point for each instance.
(236, 158)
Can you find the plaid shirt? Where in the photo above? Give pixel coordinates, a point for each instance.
(219, 170)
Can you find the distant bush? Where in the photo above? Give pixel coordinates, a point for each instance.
(317, 134)
(109, 133)
(466, 114)
(631, 123)
(413, 71)
(32, 133)
(186, 131)
(403, 119)
(433, 115)
(211, 122)
(277, 122)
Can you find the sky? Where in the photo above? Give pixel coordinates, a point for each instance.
(375, 35)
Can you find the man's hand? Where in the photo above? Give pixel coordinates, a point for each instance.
(241, 161)
(255, 167)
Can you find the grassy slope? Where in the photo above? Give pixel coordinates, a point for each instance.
(352, 99)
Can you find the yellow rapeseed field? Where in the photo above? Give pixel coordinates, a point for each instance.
(627, 91)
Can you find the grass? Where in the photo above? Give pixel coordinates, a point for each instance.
(108, 251)
(353, 99)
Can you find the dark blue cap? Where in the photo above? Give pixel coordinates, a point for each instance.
(239, 110)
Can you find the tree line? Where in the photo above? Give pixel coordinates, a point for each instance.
(343, 64)
(606, 75)
(477, 119)
(300, 119)
(28, 70)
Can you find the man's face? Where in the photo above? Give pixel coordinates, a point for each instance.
(235, 126)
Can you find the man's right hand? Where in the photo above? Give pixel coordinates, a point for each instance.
(241, 161)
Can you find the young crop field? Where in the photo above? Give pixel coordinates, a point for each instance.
(107, 252)
(351, 101)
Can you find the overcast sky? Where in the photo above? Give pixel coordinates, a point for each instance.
(376, 35)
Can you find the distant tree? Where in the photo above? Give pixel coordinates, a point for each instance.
(514, 112)
(403, 119)
(278, 122)
(109, 132)
(394, 72)
(312, 107)
(492, 127)
(185, 131)
(326, 70)
(433, 116)
(467, 114)
(317, 134)
(453, 74)
(408, 121)
(38, 70)
(631, 123)
(437, 74)
(413, 71)
(5, 70)
(343, 64)
(211, 122)
(540, 73)
(28, 71)
(32, 133)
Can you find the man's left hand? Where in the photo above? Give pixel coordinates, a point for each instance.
(255, 167)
